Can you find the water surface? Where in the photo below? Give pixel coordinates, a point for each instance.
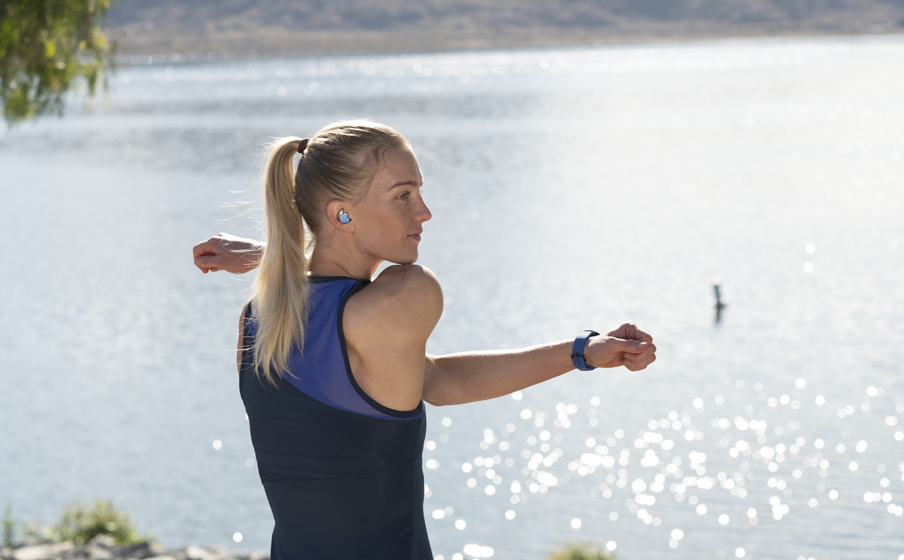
(571, 189)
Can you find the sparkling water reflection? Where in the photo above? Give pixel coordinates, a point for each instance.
(758, 461)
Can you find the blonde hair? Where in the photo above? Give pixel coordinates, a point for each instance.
(338, 162)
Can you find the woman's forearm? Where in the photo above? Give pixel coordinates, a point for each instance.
(477, 376)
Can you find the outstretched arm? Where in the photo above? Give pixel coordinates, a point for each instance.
(477, 376)
(228, 252)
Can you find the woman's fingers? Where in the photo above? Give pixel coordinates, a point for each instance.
(207, 262)
(637, 362)
(638, 333)
(643, 363)
(649, 351)
(631, 331)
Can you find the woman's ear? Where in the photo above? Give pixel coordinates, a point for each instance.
(339, 217)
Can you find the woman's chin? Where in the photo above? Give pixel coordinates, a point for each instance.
(407, 259)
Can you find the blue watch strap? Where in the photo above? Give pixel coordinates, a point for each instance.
(577, 350)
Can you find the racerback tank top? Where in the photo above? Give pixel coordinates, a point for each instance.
(342, 473)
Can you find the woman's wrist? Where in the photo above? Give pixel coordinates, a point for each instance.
(577, 350)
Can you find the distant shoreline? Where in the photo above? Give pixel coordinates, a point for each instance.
(129, 55)
(135, 40)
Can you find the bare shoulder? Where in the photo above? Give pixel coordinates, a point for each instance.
(405, 295)
(409, 280)
(386, 325)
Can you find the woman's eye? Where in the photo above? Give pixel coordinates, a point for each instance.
(404, 196)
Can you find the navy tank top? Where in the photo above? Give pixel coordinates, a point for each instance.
(342, 473)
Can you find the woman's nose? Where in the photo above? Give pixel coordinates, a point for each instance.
(423, 213)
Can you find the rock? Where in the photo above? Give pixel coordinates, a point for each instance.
(42, 551)
(103, 541)
(103, 548)
(75, 553)
(141, 550)
(33, 540)
(197, 553)
(98, 552)
(228, 554)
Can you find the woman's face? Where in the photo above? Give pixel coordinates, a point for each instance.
(388, 220)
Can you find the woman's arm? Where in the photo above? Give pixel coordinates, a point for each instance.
(477, 376)
(228, 252)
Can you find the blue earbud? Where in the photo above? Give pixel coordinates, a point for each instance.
(343, 217)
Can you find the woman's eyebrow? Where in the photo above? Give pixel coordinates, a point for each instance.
(404, 184)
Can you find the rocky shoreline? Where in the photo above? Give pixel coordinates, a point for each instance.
(103, 547)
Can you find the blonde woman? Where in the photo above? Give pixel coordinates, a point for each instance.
(332, 360)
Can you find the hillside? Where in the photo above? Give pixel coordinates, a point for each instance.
(144, 26)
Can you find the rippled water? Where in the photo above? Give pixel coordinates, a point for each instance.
(570, 188)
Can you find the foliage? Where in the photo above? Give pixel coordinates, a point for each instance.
(33, 531)
(581, 551)
(30, 530)
(80, 524)
(9, 527)
(47, 47)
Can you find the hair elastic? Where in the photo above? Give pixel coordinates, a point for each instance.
(303, 145)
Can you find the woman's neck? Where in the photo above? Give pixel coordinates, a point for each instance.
(326, 262)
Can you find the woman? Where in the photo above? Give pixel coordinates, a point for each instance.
(332, 361)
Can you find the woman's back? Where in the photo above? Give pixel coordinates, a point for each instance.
(342, 473)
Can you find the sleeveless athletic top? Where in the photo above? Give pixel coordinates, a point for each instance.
(342, 473)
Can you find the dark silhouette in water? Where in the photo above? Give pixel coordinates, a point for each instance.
(719, 304)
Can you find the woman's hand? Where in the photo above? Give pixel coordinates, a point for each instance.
(228, 252)
(626, 345)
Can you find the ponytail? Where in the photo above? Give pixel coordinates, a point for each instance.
(280, 289)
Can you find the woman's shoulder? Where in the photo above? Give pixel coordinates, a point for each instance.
(412, 292)
(411, 280)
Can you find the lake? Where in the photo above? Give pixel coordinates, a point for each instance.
(571, 188)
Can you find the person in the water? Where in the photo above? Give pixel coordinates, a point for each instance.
(332, 360)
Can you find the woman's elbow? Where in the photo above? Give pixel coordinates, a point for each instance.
(433, 389)
(438, 395)
(435, 398)
(434, 402)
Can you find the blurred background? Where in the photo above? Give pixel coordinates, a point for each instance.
(586, 163)
(284, 26)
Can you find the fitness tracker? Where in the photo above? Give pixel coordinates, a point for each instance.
(577, 350)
